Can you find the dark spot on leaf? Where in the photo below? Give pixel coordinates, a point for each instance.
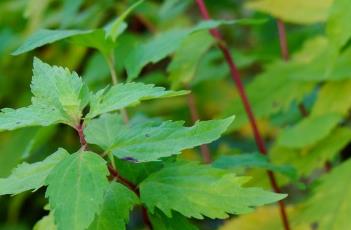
(147, 135)
(131, 159)
(18, 122)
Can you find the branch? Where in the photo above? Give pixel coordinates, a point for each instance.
(236, 78)
(111, 64)
(80, 131)
(114, 173)
(284, 51)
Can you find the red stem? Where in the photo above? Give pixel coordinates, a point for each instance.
(236, 77)
(82, 140)
(114, 173)
(284, 51)
(282, 40)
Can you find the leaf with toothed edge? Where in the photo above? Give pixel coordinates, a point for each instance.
(200, 190)
(151, 141)
(76, 188)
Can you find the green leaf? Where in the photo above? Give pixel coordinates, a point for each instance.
(137, 172)
(30, 176)
(59, 97)
(76, 188)
(118, 203)
(58, 87)
(199, 190)
(95, 39)
(184, 64)
(161, 222)
(167, 43)
(270, 92)
(330, 205)
(308, 159)
(118, 26)
(123, 95)
(44, 37)
(338, 25)
(253, 160)
(150, 141)
(295, 11)
(333, 97)
(309, 131)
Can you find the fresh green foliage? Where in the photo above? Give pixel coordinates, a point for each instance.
(123, 95)
(180, 187)
(151, 141)
(307, 159)
(31, 176)
(45, 36)
(184, 64)
(338, 26)
(324, 124)
(114, 214)
(168, 43)
(59, 97)
(148, 157)
(76, 188)
(329, 202)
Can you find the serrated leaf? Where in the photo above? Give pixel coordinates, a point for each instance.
(44, 37)
(123, 95)
(167, 42)
(118, 203)
(338, 26)
(150, 141)
(309, 131)
(161, 222)
(76, 188)
(295, 11)
(59, 97)
(333, 97)
(329, 204)
(184, 64)
(30, 176)
(199, 190)
(253, 160)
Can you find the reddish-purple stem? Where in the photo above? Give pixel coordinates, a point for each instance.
(284, 51)
(114, 173)
(82, 140)
(282, 40)
(236, 77)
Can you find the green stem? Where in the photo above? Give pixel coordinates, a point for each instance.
(111, 64)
